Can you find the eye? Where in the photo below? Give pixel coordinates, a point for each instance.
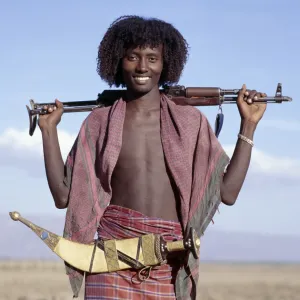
(152, 59)
(132, 57)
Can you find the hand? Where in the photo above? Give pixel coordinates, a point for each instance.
(52, 116)
(250, 110)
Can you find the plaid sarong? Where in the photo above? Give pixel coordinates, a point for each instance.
(120, 223)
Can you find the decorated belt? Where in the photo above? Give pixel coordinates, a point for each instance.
(140, 253)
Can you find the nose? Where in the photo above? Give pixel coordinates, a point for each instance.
(142, 66)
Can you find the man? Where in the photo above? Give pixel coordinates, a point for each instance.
(144, 164)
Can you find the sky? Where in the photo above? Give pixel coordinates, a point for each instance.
(49, 49)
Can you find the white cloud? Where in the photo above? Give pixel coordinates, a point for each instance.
(271, 165)
(20, 150)
(20, 143)
(287, 125)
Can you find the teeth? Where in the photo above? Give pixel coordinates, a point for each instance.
(142, 78)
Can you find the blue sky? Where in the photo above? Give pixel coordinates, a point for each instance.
(48, 50)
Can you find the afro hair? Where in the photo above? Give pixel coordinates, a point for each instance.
(134, 31)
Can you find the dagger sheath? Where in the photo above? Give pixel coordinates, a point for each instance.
(112, 255)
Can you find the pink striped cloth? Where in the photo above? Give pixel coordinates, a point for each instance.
(193, 154)
(121, 223)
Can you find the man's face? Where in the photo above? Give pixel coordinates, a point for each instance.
(142, 68)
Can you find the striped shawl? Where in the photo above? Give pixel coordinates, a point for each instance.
(194, 157)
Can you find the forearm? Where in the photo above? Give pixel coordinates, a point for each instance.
(54, 166)
(238, 167)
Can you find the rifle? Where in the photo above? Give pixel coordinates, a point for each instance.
(179, 94)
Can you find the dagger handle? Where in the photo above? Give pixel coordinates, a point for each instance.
(17, 217)
(49, 238)
(190, 243)
(175, 246)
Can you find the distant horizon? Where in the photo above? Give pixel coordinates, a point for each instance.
(32, 216)
(207, 261)
(217, 245)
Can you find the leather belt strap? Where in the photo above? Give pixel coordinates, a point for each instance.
(133, 263)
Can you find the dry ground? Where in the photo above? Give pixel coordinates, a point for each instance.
(47, 281)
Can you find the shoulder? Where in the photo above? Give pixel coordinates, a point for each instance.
(97, 115)
(95, 121)
(188, 112)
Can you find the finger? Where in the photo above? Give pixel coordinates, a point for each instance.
(249, 98)
(59, 104)
(252, 94)
(263, 104)
(241, 94)
(51, 108)
(258, 96)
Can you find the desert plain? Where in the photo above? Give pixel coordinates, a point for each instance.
(46, 280)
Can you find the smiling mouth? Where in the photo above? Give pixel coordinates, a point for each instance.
(141, 79)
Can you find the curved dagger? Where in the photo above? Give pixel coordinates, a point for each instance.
(80, 255)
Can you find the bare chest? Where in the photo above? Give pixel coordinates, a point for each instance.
(141, 143)
(141, 179)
